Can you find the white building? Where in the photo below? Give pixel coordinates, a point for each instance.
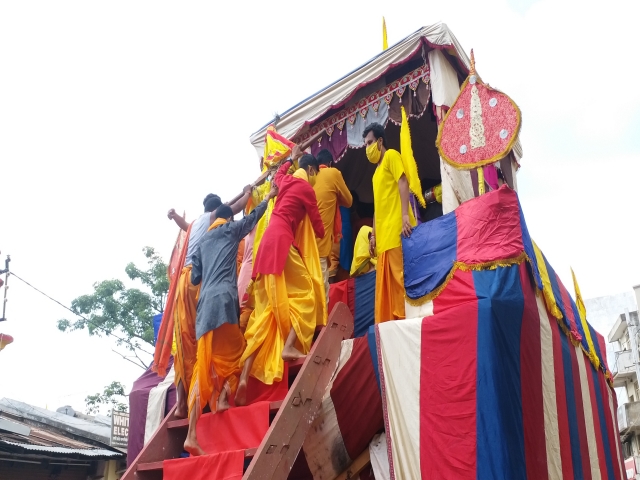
(624, 363)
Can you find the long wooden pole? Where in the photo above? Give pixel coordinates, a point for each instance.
(260, 180)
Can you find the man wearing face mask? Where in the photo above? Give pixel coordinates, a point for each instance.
(392, 218)
(288, 286)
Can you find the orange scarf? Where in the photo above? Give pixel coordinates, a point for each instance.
(217, 223)
(337, 223)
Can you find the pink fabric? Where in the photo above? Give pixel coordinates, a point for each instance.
(246, 267)
(491, 176)
(489, 228)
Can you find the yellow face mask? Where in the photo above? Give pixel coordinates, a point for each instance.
(373, 153)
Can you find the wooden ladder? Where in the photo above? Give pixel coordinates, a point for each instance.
(283, 441)
(292, 417)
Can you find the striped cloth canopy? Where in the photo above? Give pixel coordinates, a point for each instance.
(491, 387)
(499, 382)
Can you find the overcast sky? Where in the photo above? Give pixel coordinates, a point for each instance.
(113, 112)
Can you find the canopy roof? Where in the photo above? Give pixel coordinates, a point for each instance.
(307, 112)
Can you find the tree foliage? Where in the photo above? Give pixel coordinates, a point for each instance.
(110, 398)
(125, 313)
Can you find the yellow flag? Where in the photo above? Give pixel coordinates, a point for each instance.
(385, 45)
(408, 161)
(547, 290)
(582, 311)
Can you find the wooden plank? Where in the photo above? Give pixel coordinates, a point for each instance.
(279, 448)
(147, 467)
(358, 465)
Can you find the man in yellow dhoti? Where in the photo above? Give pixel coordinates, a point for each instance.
(288, 286)
(393, 217)
(184, 307)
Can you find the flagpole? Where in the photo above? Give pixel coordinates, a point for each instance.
(385, 44)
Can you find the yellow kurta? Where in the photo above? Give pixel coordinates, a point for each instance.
(184, 315)
(218, 361)
(386, 202)
(294, 299)
(388, 230)
(331, 192)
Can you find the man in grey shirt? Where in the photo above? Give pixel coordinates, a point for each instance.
(220, 342)
(184, 301)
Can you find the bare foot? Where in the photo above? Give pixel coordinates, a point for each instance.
(291, 354)
(223, 404)
(223, 398)
(192, 446)
(181, 412)
(241, 393)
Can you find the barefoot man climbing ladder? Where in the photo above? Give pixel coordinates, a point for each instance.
(289, 290)
(220, 342)
(183, 307)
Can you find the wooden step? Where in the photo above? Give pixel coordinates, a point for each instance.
(184, 422)
(155, 466)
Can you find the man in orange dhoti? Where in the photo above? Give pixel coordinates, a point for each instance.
(331, 193)
(289, 291)
(184, 307)
(220, 342)
(392, 218)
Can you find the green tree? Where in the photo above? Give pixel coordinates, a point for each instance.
(124, 313)
(110, 397)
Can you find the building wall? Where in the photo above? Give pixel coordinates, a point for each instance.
(603, 312)
(29, 471)
(633, 395)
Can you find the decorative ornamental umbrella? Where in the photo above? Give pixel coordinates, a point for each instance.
(480, 128)
(5, 340)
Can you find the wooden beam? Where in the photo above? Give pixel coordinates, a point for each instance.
(260, 180)
(357, 466)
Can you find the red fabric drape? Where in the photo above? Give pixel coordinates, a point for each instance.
(235, 429)
(220, 466)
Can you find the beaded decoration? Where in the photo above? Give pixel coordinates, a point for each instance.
(483, 127)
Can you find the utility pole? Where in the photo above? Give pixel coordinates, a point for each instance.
(6, 287)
